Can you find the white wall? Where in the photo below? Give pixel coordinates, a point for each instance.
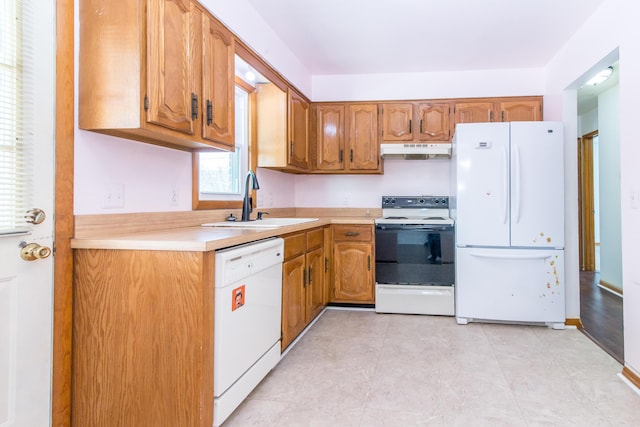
(609, 183)
(620, 36)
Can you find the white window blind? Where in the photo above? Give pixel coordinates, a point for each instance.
(16, 101)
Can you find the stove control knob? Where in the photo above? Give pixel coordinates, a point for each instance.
(421, 201)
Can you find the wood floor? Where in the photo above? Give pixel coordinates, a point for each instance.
(601, 315)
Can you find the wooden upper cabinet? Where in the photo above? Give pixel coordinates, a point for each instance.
(283, 129)
(344, 138)
(499, 110)
(397, 122)
(329, 136)
(474, 112)
(141, 73)
(514, 111)
(298, 130)
(364, 150)
(169, 86)
(433, 122)
(218, 83)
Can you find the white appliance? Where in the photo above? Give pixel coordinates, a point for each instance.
(415, 256)
(508, 206)
(248, 301)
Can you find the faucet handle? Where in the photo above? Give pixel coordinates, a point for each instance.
(260, 213)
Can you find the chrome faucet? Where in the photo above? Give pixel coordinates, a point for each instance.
(247, 202)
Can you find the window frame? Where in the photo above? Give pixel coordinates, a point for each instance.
(252, 159)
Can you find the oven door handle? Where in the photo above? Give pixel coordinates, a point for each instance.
(414, 227)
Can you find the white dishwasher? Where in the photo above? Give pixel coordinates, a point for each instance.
(248, 302)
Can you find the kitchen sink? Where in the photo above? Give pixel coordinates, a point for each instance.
(262, 223)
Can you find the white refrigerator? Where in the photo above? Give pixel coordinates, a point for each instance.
(508, 205)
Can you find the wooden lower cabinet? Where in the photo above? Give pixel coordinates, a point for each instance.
(353, 264)
(303, 284)
(142, 338)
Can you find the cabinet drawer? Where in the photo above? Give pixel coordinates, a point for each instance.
(294, 245)
(352, 233)
(315, 238)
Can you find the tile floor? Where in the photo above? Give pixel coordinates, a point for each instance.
(359, 368)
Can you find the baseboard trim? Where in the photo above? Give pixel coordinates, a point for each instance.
(631, 376)
(610, 288)
(574, 322)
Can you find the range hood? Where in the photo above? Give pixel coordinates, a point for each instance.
(416, 151)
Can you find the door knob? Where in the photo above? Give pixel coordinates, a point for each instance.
(33, 251)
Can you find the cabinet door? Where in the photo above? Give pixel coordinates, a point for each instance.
(474, 112)
(516, 111)
(169, 81)
(298, 131)
(353, 277)
(397, 122)
(315, 283)
(363, 137)
(434, 122)
(329, 131)
(218, 84)
(293, 299)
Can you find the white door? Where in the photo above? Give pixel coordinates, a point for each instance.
(26, 286)
(482, 187)
(537, 184)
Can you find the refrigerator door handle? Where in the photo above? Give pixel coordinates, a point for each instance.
(502, 256)
(516, 175)
(505, 186)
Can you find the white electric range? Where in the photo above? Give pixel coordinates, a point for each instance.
(415, 248)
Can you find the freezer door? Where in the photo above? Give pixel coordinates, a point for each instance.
(537, 184)
(514, 285)
(482, 184)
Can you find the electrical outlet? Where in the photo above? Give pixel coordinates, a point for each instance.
(174, 196)
(113, 197)
(346, 200)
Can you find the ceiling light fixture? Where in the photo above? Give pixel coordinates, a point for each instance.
(250, 75)
(600, 77)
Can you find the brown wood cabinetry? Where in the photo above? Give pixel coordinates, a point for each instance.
(142, 338)
(499, 110)
(344, 138)
(282, 128)
(149, 69)
(416, 121)
(353, 264)
(303, 284)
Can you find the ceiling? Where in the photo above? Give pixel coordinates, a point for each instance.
(390, 36)
(396, 36)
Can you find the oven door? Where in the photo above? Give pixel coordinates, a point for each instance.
(415, 254)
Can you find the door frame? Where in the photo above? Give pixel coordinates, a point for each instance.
(586, 206)
(64, 220)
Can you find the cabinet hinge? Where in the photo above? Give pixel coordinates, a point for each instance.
(291, 148)
(341, 155)
(502, 116)
(490, 116)
(146, 103)
(409, 126)
(351, 156)
(326, 264)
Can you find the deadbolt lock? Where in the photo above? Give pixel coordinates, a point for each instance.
(33, 251)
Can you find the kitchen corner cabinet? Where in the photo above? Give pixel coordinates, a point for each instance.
(499, 110)
(282, 128)
(303, 285)
(353, 264)
(417, 122)
(157, 71)
(142, 338)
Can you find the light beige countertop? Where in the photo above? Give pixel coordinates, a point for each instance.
(200, 239)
